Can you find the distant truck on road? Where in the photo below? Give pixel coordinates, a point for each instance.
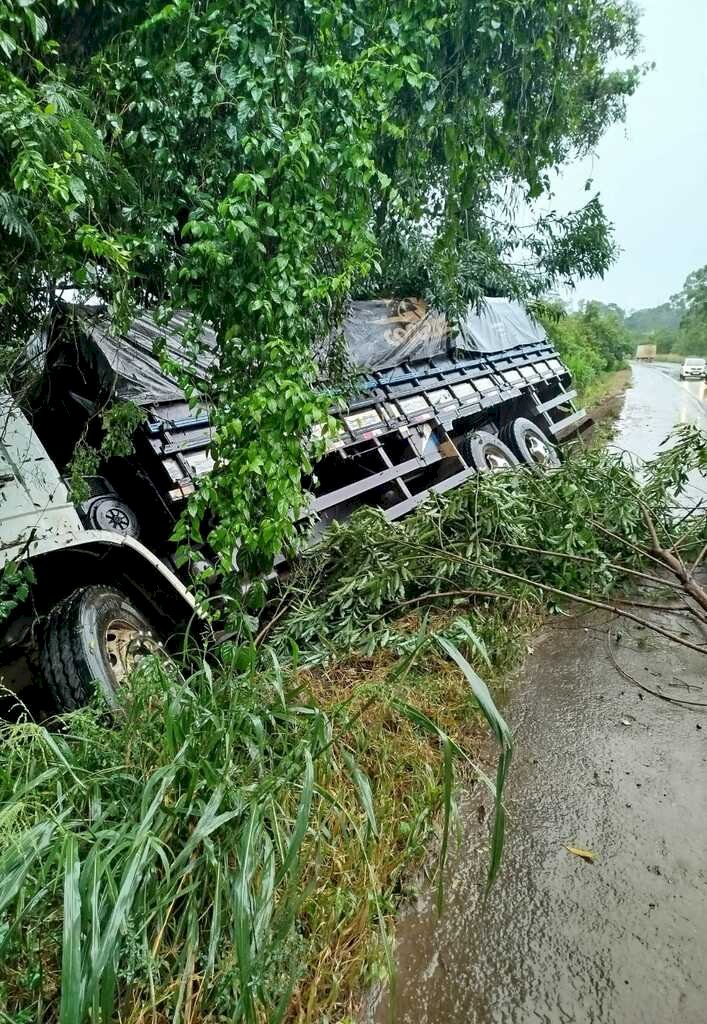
(646, 353)
(434, 408)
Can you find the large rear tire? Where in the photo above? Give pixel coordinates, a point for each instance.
(93, 637)
(485, 452)
(532, 446)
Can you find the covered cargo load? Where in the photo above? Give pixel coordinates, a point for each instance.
(383, 333)
(130, 366)
(425, 391)
(379, 333)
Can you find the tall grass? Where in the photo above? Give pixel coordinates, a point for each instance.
(221, 850)
(167, 852)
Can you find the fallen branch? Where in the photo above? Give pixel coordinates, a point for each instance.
(546, 588)
(588, 558)
(648, 689)
(431, 595)
(698, 561)
(675, 564)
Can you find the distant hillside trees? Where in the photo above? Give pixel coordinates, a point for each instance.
(593, 341)
(678, 325)
(665, 317)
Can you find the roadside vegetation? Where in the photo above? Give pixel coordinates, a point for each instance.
(234, 841)
(592, 342)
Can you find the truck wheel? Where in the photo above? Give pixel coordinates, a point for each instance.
(109, 513)
(94, 636)
(483, 451)
(530, 444)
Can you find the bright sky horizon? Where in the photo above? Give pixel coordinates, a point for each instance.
(651, 171)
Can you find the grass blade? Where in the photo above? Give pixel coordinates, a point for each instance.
(17, 861)
(480, 691)
(447, 784)
(71, 980)
(363, 788)
(243, 913)
(302, 820)
(505, 740)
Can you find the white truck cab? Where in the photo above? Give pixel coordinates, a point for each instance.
(99, 598)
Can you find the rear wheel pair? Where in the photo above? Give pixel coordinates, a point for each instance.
(520, 442)
(94, 636)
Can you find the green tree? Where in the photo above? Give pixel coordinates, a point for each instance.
(58, 182)
(260, 162)
(606, 334)
(591, 341)
(693, 326)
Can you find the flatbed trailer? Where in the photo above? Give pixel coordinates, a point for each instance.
(106, 585)
(400, 437)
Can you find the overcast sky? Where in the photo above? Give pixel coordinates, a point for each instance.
(651, 171)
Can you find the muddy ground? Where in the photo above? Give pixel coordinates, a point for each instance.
(601, 765)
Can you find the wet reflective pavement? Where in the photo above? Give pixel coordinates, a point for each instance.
(656, 401)
(603, 766)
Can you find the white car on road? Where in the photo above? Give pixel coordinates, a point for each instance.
(693, 369)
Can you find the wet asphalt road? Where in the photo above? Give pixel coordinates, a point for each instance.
(656, 402)
(599, 765)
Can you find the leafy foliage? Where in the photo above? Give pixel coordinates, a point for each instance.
(15, 583)
(504, 537)
(591, 342)
(118, 422)
(260, 163)
(58, 182)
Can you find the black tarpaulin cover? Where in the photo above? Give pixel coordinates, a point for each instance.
(383, 333)
(129, 360)
(498, 326)
(380, 333)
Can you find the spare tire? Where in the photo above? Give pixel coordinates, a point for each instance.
(531, 444)
(94, 636)
(483, 451)
(110, 513)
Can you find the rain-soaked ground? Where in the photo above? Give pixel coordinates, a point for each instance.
(600, 765)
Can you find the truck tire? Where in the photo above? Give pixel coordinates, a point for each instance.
(483, 451)
(532, 446)
(94, 636)
(110, 513)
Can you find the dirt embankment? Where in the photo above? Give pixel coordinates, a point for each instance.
(604, 403)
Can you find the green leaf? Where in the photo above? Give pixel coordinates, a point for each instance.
(71, 1009)
(363, 788)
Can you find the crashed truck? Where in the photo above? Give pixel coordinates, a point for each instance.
(435, 406)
